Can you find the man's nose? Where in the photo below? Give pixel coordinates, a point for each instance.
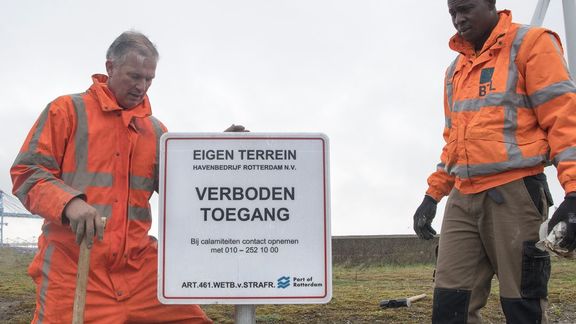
(459, 18)
(141, 85)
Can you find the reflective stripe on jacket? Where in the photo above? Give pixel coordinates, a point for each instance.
(510, 110)
(85, 145)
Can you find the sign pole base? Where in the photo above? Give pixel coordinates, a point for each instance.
(245, 314)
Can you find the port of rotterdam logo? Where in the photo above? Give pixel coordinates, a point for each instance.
(283, 282)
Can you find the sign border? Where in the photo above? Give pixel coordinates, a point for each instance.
(323, 298)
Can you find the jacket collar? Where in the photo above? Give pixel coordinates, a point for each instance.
(458, 44)
(108, 103)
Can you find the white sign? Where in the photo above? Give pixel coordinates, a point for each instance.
(244, 219)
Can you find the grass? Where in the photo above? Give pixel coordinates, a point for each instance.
(16, 288)
(356, 296)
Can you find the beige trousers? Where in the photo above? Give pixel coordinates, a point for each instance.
(486, 234)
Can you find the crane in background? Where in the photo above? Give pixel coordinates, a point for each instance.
(569, 11)
(10, 206)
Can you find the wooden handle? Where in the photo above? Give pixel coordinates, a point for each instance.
(81, 282)
(415, 298)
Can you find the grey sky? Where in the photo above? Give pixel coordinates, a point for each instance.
(366, 73)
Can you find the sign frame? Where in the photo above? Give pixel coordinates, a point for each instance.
(167, 295)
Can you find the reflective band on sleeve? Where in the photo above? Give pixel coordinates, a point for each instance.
(139, 213)
(449, 92)
(35, 158)
(37, 175)
(39, 128)
(46, 265)
(46, 230)
(36, 162)
(559, 50)
(552, 91)
(448, 123)
(568, 154)
(555, 43)
(449, 76)
(441, 167)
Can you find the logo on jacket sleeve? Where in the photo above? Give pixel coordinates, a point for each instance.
(485, 81)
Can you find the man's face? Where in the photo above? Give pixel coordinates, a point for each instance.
(130, 78)
(473, 19)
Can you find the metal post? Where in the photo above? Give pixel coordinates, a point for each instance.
(540, 12)
(1, 218)
(569, 8)
(245, 314)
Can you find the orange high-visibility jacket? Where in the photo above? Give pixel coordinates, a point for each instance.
(510, 110)
(85, 145)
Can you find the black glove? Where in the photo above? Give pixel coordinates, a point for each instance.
(566, 212)
(423, 218)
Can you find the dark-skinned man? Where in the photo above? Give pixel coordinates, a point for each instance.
(510, 109)
(89, 156)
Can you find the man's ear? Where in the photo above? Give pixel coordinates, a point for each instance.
(109, 67)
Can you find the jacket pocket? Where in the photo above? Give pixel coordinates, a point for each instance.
(537, 188)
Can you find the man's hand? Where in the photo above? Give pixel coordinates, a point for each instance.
(236, 128)
(423, 218)
(566, 212)
(84, 220)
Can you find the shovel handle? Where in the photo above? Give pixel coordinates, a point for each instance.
(415, 298)
(81, 283)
